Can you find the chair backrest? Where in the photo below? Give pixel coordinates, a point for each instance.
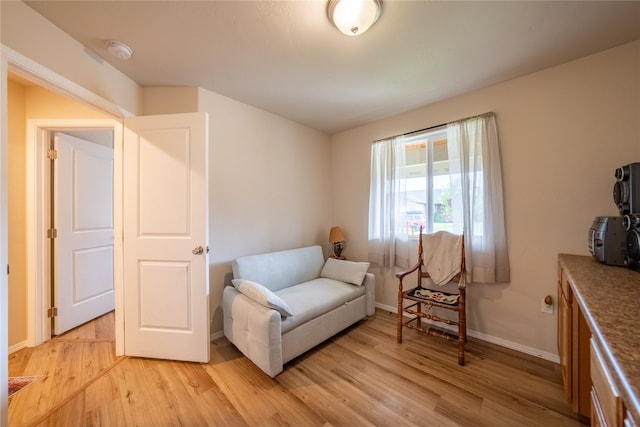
(444, 265)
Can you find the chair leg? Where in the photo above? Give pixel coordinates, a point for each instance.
(461, 340)
(462, 326)
(399, 321)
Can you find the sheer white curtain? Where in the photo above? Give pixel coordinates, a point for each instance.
(387, 203)
(476, 196)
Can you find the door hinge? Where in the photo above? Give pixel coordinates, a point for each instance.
(52, 154)
(52, 233)
(52, 312)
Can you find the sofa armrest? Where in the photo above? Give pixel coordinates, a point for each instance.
(254, 329)
(370, 285)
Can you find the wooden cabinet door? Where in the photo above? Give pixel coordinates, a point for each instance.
(573, 348)
(580, 361)
(564, 340)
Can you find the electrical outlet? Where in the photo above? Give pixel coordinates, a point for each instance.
(546, 308)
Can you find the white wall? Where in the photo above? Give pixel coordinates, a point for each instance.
(563, 132)
(269, 190)
(269, 183)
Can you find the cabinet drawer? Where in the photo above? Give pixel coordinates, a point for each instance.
(604, 392)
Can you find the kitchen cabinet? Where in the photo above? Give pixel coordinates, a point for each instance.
(573, 348)
(598, 340)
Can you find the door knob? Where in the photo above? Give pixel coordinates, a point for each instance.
(198, 250)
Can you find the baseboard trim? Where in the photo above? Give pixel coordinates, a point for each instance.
(216, 335)
(493, 340)
(16, 347)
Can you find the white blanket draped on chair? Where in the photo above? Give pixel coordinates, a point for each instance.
(443, 257)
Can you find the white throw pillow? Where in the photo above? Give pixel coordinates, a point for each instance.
(345, 271)
(262, 296)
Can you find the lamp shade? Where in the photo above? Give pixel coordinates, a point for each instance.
(335, 235)
(353, 17)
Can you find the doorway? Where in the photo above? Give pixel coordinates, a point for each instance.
(36, 247)
(49, 252)
(15, 63)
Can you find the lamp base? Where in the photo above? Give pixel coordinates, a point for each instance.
(337, 250)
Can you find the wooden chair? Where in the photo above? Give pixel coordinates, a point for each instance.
(422, 300)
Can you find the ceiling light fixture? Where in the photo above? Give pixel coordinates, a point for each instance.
(354, 17)
(119, 49)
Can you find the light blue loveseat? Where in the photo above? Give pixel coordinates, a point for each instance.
(307, 301)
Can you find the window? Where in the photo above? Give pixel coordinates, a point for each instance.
(427, 185)
(449, 179)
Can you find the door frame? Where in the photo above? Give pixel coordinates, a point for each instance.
(17, 63)
(38, 208)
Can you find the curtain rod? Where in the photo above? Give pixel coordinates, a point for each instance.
(432, 127)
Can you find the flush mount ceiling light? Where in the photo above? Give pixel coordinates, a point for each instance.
(119, 49)
(353, 17)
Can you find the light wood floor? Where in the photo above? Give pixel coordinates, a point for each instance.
(361, 377)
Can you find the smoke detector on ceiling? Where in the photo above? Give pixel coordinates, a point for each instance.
(119, 49)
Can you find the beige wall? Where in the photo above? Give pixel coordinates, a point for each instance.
(268, 181)
(28, 33)
(17, 208)
(563, 132)
(168, 100)
(269, 186)
(25, 103)
(42, 103)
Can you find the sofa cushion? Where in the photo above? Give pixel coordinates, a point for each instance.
(310, 299)
(262, 296)
(345, 271)
(278, 270)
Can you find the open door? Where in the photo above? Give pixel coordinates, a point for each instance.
(83, 218)
(166, 284)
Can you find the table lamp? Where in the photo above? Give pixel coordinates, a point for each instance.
(336, 237)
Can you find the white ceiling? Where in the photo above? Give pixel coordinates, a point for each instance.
(285, 56)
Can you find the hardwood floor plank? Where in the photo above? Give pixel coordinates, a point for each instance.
(97, 329)
(405, 398)
(359, 377)
(451, 381)
(490, 378)
(70, 414)
(258, 397)
(315, 395)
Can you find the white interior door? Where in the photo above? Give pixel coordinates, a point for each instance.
(166, 284)
(83, 218)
